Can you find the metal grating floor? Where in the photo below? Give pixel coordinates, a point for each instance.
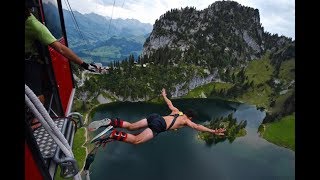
(45, 142)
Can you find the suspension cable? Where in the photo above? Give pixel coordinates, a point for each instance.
(112, 14)
(77, 26)
(114, 1)
(73, 18)
(123, 3)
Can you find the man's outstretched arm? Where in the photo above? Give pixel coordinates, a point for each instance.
(199, 127)
(168, 101)
(69, 54)
(66, 52)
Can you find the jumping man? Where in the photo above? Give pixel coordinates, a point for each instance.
(153, 125)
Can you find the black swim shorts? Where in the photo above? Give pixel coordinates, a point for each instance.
(156, 123)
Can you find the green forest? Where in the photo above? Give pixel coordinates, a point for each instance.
(249, 65)
(234, 130)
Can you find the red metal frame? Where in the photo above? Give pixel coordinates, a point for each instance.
(32, 171)
(64, 83)
(63, 75)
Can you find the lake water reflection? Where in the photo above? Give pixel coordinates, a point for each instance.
(181, 155)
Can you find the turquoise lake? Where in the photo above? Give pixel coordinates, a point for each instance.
(176, 155)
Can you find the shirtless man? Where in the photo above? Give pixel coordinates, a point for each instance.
(153, 124)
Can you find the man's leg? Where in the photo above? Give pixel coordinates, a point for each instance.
(118, 123)
(136, 125)
(144, 136)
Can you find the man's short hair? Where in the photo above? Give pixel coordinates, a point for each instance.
(190, 113)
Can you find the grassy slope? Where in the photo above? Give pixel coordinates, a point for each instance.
(260, 71)
(257, 96)
(205, 90)
(78, 150)
(109, 96)
(280, 102)
(281, 132)
(287, 72)
(106, 51)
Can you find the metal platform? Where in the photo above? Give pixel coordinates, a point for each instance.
(46, 144)
(51, 152)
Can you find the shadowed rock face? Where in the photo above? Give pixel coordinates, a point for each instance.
(224, 25)
(195, 82)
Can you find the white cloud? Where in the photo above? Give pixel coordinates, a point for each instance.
(276, 16)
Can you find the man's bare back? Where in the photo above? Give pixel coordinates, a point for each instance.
(185, 120)
(180, 121)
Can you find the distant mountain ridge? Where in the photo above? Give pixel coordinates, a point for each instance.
(221, 51)
(224, 34)
(227, 38)
(117, 40)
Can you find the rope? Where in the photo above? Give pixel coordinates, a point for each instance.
(47, 127)
(40, 112)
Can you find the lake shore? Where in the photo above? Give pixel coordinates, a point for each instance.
(88, 147)
(243, 151)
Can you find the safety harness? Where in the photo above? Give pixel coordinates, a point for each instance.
(174, 119)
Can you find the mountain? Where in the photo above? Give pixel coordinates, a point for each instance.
(94, 38)
(257, 66)
(226, 34)
(219, 52)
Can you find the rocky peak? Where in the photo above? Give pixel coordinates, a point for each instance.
(224, 30)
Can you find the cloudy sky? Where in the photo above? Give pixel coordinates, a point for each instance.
(276, 16)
